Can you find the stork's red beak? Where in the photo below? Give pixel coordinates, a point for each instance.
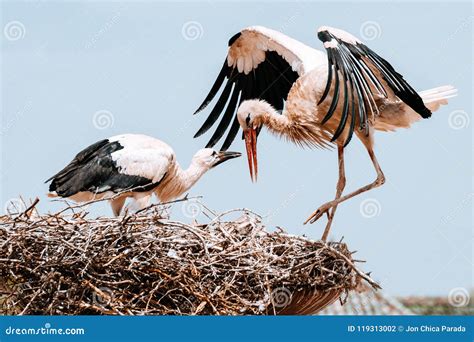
(250, 136)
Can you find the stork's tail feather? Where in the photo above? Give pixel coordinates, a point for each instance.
(435, 97)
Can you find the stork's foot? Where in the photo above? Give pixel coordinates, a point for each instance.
(324, 209)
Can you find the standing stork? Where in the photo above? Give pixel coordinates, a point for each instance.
(131, 165)
(313, 99)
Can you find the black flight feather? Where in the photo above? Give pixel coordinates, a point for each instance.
(216, 111)
(271, 81)
(355, 62)
(215, 87)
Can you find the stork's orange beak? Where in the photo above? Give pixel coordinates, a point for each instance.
(250, 136)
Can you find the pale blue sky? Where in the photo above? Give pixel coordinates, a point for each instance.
(67, 61)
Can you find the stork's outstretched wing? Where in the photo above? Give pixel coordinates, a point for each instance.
(365, 75)
(260, 64)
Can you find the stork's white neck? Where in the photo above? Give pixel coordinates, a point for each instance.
(178, 181)
(191, 175)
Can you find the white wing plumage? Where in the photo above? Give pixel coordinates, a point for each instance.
(254, 41)
(143, 156)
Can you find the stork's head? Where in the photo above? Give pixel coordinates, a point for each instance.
(251, 115)
(207, 158)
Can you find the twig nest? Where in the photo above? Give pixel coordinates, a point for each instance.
(144, 264)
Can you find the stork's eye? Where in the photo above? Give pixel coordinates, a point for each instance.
(214, 153)
(247, 120)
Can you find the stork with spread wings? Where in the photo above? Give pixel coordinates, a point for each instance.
(312, 98)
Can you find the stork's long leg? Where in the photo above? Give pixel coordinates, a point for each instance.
(378, 182)
(341, 183)
(117, 205)
(142, 200)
